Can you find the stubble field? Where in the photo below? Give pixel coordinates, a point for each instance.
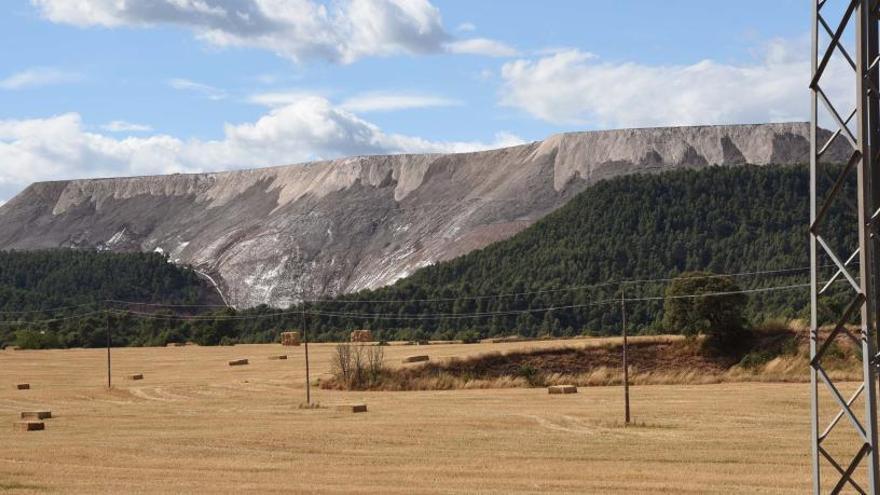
(195, 424)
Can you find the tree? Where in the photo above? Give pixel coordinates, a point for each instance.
(702, 303)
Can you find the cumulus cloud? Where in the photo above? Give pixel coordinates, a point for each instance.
(312, 128)
(574, 87)
(123, 126)
(38, 76)
(300, 30)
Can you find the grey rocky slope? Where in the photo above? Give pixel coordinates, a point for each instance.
(276, 235)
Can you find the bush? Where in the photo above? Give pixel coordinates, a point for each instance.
(468, 337)
(358, 366)
(532, 375)
(32, 339)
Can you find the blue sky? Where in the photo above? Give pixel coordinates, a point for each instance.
(101, 87)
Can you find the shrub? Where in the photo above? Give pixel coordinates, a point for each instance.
(468, 337)
(358, 366)
(531, 374)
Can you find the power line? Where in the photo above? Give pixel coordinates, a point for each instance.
(454, 316)
(48, 310)
(52, 320)
(389, 316)
(343, 300)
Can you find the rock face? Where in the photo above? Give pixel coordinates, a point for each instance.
(277, 235)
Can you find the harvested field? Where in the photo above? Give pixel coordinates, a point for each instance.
(192, 429)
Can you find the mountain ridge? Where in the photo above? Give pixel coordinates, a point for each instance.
(279, 234)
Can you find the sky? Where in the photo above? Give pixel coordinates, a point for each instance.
(97, 88)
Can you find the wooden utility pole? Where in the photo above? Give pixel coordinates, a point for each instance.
(625, 363)
(109, 344)
(305, 329)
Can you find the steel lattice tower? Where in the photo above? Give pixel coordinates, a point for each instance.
(836, 36)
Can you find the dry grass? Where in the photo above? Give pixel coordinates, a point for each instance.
(779, 355)
(191, 429)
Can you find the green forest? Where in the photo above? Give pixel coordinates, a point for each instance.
(652, 226)
(35, 284)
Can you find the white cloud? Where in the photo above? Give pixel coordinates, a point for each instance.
(274, 99)
(312, 128)
(338, 31)
(482, 46)
(205, 90)
(377, 101)
(385, 102)
(573, 87)
(123, 126)
(38, 76)
(466, 27)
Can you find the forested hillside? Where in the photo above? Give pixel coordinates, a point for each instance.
(719, 219)
(34, 285)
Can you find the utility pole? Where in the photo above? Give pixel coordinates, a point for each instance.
(625, 362)
(305, 329)
(109, 344)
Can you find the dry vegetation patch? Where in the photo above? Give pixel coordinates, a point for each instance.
(776, 352)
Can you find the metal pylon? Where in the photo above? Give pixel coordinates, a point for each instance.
(851, 31)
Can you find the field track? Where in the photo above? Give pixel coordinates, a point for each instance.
(195, 424)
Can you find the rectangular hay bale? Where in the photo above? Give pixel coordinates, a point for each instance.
(36, 414)
(416, 359)
(238, 362)
(23, 386)
(29, 425)
(135, 376)
(352, 408)
(562, 389)
(290, 338)
(281, 357)
(361, 336)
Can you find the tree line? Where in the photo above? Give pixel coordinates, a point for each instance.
(648, 226)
